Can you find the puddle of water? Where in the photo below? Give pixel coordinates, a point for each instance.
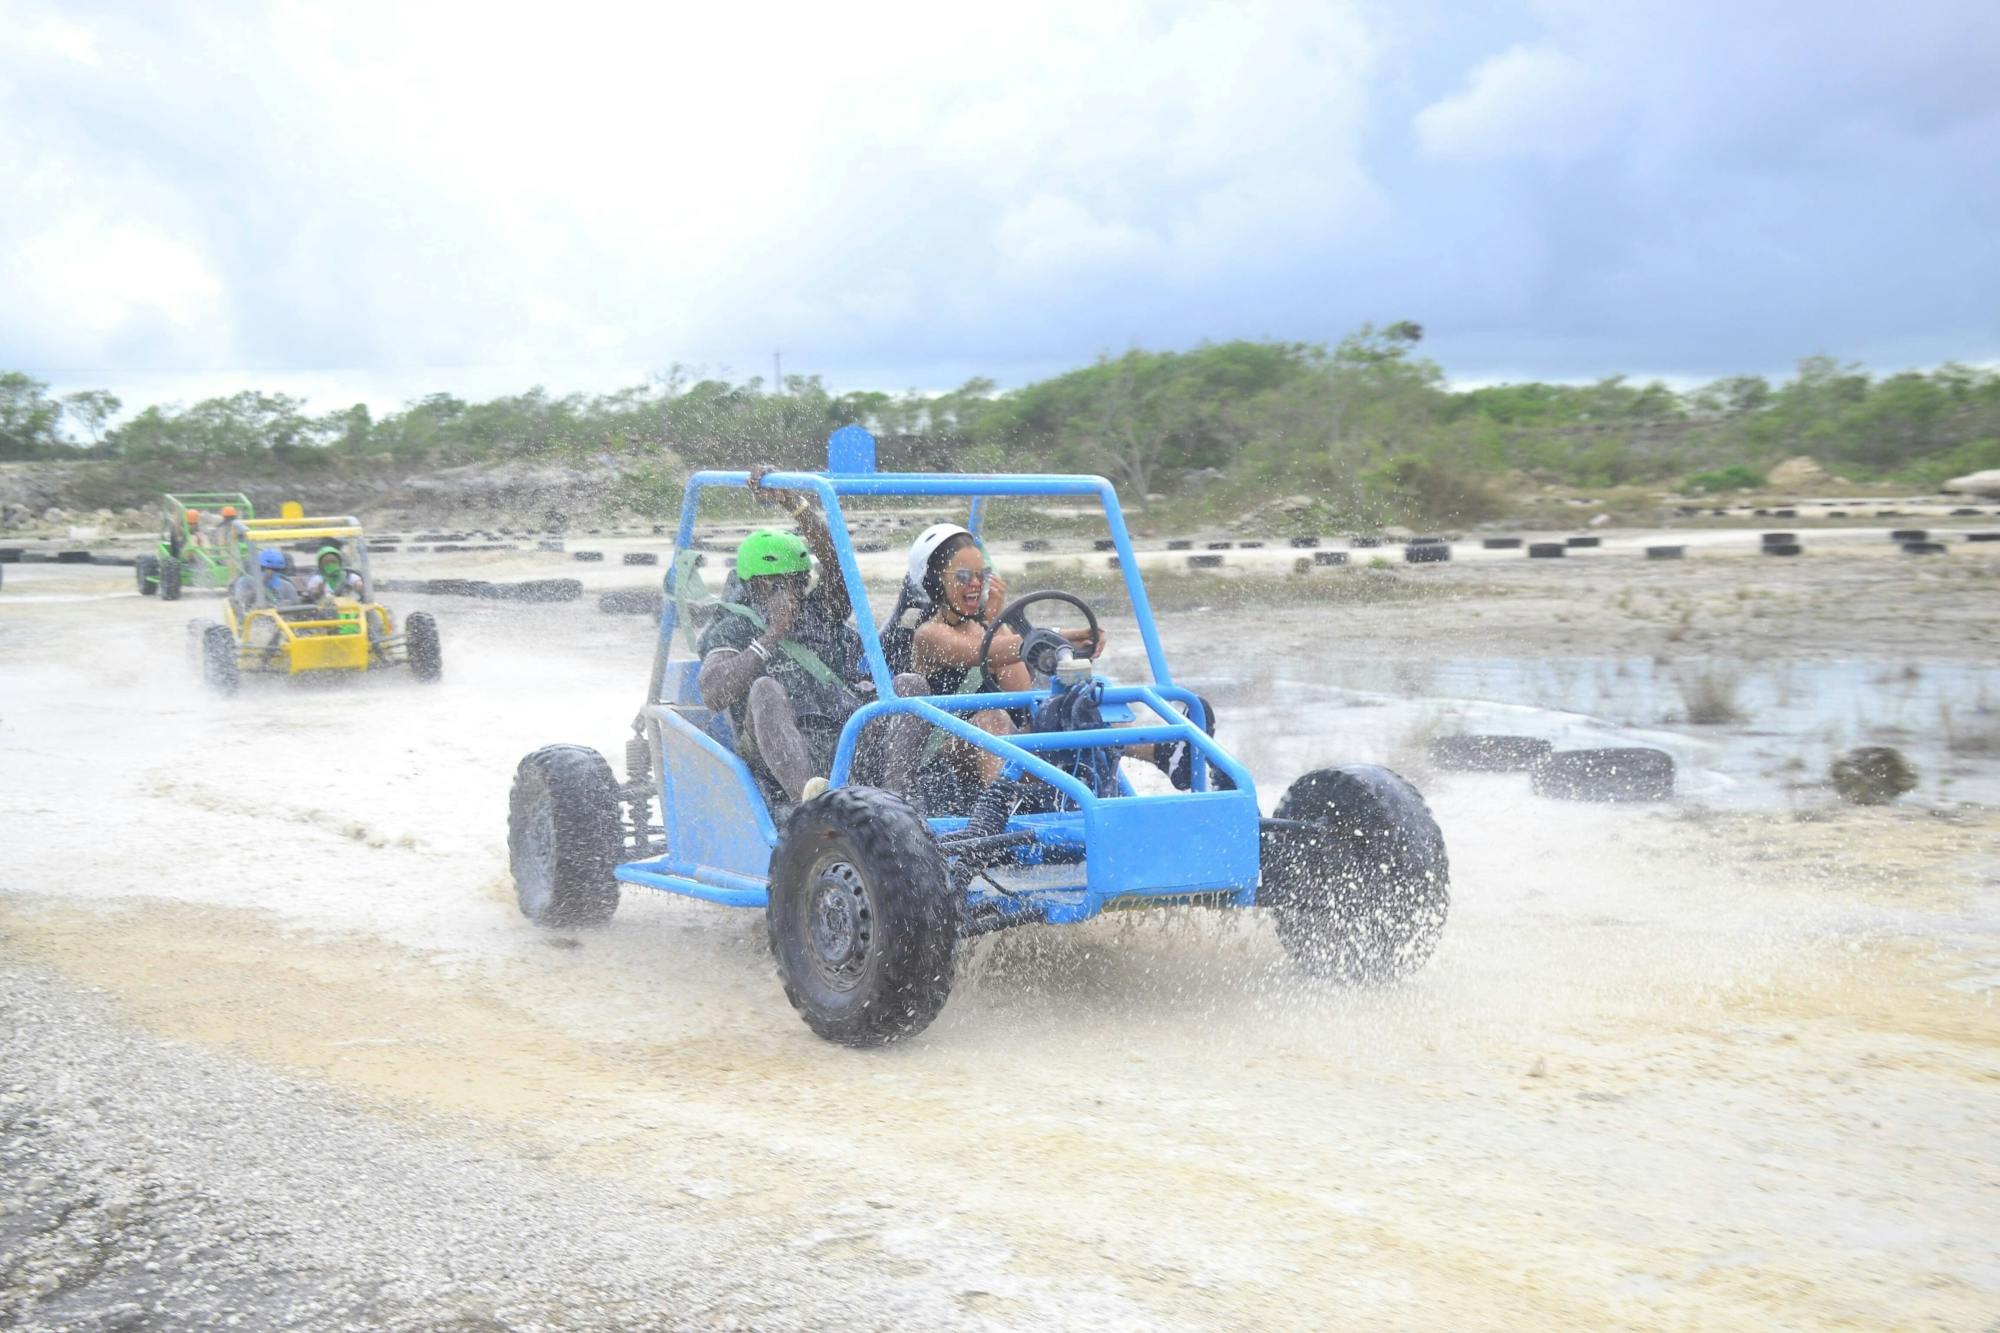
(1789, 719)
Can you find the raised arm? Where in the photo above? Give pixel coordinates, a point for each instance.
(818, 539)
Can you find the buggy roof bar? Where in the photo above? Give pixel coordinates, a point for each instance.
(853, 476)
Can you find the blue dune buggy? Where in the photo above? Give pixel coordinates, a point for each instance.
(867, 900)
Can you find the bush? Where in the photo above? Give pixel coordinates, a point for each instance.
(1735, 477)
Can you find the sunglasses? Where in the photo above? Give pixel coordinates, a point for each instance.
(965, 578)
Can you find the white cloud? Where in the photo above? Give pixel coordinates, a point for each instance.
(1527, 101)
(72, 41)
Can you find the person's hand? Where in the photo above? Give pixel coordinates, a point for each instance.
(1005, 652)
(996, 593)
(781, 608)
(790, 501)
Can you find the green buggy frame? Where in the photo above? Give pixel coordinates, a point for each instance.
(189, 556)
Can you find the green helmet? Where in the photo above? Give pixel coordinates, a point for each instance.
(324, 552)
(772, 551)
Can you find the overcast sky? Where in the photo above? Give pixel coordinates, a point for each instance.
(365, 200)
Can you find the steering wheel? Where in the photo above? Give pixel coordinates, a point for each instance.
(1012, 615)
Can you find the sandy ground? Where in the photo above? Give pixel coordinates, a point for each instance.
(277, 1030)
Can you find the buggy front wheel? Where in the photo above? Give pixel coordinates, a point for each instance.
(420, 641)
(147, 567)
(170, 574)
(861, 917)
(1357, 876)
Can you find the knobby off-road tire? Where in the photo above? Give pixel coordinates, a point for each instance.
(563, 837)
(170, 580)
(215, 655)
(861, 917)
(1362, 896)
(147, 569)
(426, 652)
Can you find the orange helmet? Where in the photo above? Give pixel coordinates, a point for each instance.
(194, 516)
(229, 511)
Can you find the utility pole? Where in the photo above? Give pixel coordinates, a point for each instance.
(777, 374)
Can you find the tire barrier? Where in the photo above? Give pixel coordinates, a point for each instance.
(1782, 548)
(1035, 544)
(1983, 536)
(630, 602)
(871, 548)
(1220, 546)
(1249, 546)
(121, 561)
(1488, 754)
(1836, 513)
(587, 556)
(548, 546)
(1362, 543)
(1426, 553)
(1304, 543)
(1324, 558)
(1923, 548)
(1204, 562)
(1103, 544)
(641, 558)
(1546, 550)
(1114, 563)
(1500, 544)
(1965, 513)
(1666, 552)
(1784, 513)
(1180, 544)
(10, 555)
(72, 557)
(1422, 541)
(1628, 774)
(1770, 537)
(1302, 565)
(1909, 535)
(1584, 541)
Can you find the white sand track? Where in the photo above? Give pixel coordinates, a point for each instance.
(1665, 1070)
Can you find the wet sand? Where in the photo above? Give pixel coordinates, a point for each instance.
(1693, 1064)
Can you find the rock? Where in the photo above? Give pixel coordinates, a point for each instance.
(1873, 775)
(54, 515)
(1801, 473)
(1975, 483)
(1600, 520)
(1294, 504)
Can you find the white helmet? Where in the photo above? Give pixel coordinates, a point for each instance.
(926, 544)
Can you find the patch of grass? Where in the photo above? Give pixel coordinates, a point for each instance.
(1709, 692)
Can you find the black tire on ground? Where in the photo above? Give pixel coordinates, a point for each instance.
(1626, 774)
(1771, 538)
(218, 657)
(1546, 550)
(170, 580)
(1665, 552)
(587, 555)
(1584, 541)
(1426, 553)
(563, 837)
(1783, 548)
(424, 648)
(1909, 535)
(861, 917)
(1361, 898)
(1923, 548)
(1501, 544)
(1329, 557)
(1489, 754)
(147, 569)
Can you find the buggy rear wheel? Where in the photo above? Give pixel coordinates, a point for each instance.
(563, 837)
(1360, 894)
(861, 917)
(170, 572)
(147, 569)
(420, 640)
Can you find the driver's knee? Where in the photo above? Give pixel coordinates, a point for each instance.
(912, 686)
(767, 693)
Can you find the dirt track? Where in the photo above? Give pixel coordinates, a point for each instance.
(1668, 1067)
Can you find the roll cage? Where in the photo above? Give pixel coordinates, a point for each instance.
(718, 826)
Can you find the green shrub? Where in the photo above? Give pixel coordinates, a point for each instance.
(1735, 477)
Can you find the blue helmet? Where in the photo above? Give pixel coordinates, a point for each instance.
(271, 560)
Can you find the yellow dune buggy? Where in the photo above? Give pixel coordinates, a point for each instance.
(279, 624)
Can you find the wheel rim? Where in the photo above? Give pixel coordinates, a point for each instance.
(840, 924)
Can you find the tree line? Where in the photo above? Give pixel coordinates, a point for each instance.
(1368, 423)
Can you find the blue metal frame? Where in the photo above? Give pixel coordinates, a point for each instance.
(1203, 841)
